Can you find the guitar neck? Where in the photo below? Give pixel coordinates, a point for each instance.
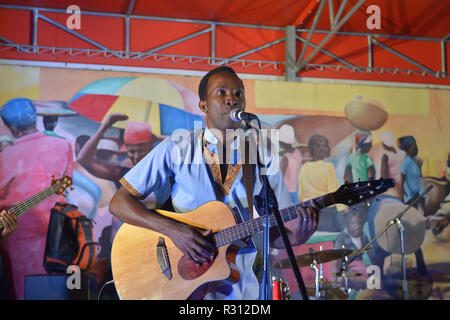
(29, 203)
(251, 227)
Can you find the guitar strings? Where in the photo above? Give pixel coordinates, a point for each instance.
(237, 232)
(29, 203)
(242, 230)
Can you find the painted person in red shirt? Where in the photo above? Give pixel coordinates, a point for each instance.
(26, 168)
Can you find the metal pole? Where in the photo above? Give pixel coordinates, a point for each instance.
(127, 36)
(331, 11)
(35, 28)
(213, 42)
(339, 13)
(370, 54)
(290, 53)
(444, 58)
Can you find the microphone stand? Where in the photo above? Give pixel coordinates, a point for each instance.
(271, 206)
(401, 229)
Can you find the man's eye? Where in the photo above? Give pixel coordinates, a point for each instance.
(221, 92)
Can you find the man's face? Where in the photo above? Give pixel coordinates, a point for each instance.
(321, 149)
(365, 148)
(225, 92)
(413, 150)
(355, 227)
(138, 151)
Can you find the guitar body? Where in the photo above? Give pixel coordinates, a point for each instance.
(147, 265)
(137, 272)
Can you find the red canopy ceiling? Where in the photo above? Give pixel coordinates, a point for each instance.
(413, 18)
(430, 18)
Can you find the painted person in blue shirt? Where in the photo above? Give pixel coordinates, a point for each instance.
(411, 187)
(410, 184)
(192, 184)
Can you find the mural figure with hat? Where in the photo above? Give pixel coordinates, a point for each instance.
(318, 177)
(413, 221)
(138, 139)
(441, 198)
(391, 160)
(410, 184)
(291, 159)
(96, 155)
(360, 166)
(51, 111)
(27, 168)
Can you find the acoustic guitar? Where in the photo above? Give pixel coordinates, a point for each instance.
(57, 186)
(147, 265)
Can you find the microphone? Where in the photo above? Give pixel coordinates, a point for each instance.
(238, 115)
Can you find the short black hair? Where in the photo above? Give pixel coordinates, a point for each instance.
(315, 139)
(355, 213)
(203, 86)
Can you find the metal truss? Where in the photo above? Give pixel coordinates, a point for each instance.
(293, 64)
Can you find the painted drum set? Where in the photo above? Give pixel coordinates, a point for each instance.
(383, 214)
(322, 289)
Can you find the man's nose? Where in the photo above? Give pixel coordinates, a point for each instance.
(232, 101)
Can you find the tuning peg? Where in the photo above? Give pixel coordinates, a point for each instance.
(367, 203)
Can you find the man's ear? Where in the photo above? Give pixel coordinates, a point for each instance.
(202, 105)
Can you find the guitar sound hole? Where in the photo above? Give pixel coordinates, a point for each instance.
(188, 270)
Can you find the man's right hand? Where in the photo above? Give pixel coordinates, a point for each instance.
(9, 221)
(196, 244)
(114, 117)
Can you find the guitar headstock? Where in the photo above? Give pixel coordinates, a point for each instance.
(353, 193)
(62, 185)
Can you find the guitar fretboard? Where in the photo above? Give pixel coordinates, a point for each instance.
(251, 227)
(29, 203)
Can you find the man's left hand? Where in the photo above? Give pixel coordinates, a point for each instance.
(308, 220)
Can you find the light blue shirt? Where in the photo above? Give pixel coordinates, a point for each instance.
(412, 186)
(176, 168)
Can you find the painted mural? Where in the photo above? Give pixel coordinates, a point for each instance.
(95, 125)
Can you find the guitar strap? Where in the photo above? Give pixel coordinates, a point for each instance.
(247, 173)
(225, 184)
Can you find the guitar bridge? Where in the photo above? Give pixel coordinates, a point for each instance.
(163, 258)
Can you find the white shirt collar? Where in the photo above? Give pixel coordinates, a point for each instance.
(212, 139)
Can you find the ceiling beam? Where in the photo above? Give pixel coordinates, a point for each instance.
(301, 64)
(311, 32)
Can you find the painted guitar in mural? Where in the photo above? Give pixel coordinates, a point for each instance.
(147, 265)
(57, 186)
